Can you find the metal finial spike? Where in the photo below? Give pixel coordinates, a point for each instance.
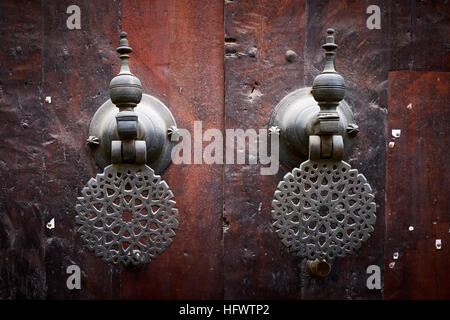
(330, 37)
(328, 87)
(330, 47)
(125, 88)
(124, 49)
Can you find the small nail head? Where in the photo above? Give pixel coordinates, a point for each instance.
(48, 99)
(391, 144)
(252, 52)
(290, 55)
(274, 130)
(411, 228)
(352, 129)
(93, 140)
(174, 134)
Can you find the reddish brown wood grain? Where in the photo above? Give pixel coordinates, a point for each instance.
(255, 263)
(418, 35)
(147, 24)
(22, 269)
(45, 161)
(417, 187)
(180, 60)
(77, 66)
(225, 246)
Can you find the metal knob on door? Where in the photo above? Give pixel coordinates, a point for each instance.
(126, 214)
(324, 209)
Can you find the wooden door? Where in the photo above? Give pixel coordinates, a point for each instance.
(223, 63)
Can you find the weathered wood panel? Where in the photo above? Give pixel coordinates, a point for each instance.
(76, 67)
(363, 60)
(417, 187)
(257, 76)
(256, 263)
(22, 239)
(418, 35)
(46, 162)
(180, 60)
(225, 246)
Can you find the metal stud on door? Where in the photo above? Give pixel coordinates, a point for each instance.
(126, 214)
(324, 209)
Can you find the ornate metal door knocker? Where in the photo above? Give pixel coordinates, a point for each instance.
(324, 209)
(126, 214)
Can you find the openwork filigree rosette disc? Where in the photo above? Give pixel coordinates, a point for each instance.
(127, 214)
(323, 210)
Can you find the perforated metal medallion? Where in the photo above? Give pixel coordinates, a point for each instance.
(323, 210)
(126, 214)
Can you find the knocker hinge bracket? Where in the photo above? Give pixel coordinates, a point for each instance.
(326, 147)
(128, 149)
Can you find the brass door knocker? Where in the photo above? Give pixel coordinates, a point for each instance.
(126, 214)
(323, 209)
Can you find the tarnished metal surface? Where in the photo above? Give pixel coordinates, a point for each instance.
(127, 215)
(155, 119)
(129, 115)
(328, 90)
(294, 115)
(323, 210)
(319, 268)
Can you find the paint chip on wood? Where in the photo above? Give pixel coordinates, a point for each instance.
(396, 133)
(51, 224)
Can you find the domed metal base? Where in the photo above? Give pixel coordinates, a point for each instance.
(154, 121)
(294, 117)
